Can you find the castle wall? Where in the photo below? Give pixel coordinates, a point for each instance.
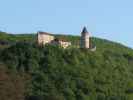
(87, 42)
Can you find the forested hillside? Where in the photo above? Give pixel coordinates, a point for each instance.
(30, 72)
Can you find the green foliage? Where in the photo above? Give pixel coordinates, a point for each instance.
(73, 74)
(16, 37)
(22, 56)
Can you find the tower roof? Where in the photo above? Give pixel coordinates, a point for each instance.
(84, 31)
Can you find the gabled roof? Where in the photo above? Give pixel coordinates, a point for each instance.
(40, 32)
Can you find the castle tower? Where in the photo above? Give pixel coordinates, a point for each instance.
(85, 39)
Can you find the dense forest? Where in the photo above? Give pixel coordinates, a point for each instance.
(32, 72)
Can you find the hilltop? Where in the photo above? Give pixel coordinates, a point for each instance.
(54, 73)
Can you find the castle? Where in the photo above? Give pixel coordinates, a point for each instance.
(44, 38)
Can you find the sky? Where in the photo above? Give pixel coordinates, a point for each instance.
(108, 19)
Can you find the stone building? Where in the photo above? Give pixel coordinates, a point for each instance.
(62, 42)
(44, 38)
(85, 39)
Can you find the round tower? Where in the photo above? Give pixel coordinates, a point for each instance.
(85, 39)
